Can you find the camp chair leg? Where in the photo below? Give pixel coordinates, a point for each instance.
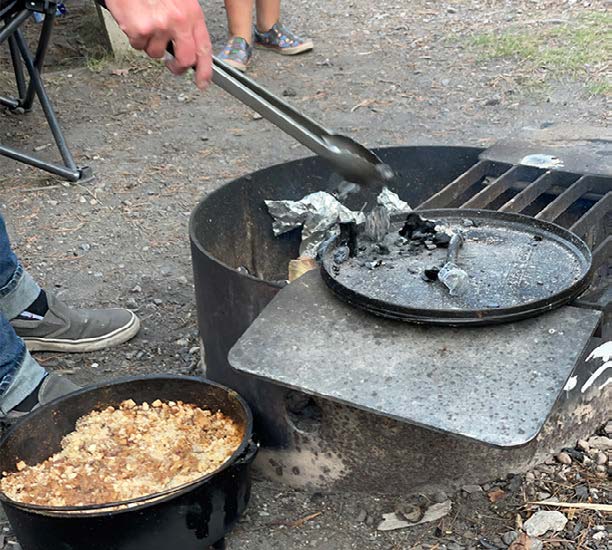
(21, 56)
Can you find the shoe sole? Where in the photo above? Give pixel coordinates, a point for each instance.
(236, 65)
(305, 47)
(118, 336)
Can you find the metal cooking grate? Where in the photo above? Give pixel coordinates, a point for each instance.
(580, 203)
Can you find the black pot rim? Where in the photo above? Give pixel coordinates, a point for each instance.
(96, 510)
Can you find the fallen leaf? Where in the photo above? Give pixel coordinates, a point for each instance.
(496, 495)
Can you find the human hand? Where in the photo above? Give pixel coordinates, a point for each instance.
(151, 24)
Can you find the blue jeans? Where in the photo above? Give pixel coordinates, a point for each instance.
(20, 374)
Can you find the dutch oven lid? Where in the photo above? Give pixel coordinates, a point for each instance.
(516, 267)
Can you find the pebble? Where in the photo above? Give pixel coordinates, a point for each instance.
(536, 544)
(289, 92)
(564, 458)
(450, 9)
(602, 468)
(600, 442)
(182, 342)
(509, 537)
(602, 458)
(530, 476)
(362, 515)
(608, 428)
(182, 280)
(471, 489)
(439, 497)
(492, 102)
(544, 521)
(158, 302)
(84, 246)
(600, 535)
(131, 303)
(136, 289)
(194, 350)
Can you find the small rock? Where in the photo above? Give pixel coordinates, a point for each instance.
(583, 445)
(492, 102)
(182, 280)
(536, 544)
(194, 350)
(439, 496)
(362, 515)
(509, 537)
(98, 274)
(289, 92)
(601, 468)
(600, 535)
(165, 271)
(182, 342)
(131, 303)
(471, 489)
(608, 428)
(158, 302)
(543, 495)
(581, 491)
(257, 116)
(530, 476)
(564, 458)
(544, 521)
(602, 458)
(450, 9)
(136, 289)
(600, 442)
(85, 247)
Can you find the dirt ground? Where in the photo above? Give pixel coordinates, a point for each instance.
(384, 72)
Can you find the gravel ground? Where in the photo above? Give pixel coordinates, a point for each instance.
(398, 73)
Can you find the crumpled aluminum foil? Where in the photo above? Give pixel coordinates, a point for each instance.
(319, 214)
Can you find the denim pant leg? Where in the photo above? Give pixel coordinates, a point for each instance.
(19, 373)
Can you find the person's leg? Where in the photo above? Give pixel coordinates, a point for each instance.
(271, 34)
(240, 19)
(238, 51)
(268, 14)
(20, 375)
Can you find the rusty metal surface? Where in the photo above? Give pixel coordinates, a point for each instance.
(496, 385)
(571, 148)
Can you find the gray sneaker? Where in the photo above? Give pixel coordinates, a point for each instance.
(76, 330)
(52, 387)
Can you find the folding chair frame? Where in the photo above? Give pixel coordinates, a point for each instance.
(18, 13)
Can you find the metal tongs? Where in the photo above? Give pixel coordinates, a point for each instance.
(352, 161)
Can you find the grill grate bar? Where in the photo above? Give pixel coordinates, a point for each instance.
(588, 221)
(502, 184)
(450, 193)
(602, 253)
(521, 201)
(566, 199)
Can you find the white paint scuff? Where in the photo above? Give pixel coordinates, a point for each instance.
(603, 352)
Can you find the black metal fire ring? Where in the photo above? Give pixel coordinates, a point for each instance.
(472, 317)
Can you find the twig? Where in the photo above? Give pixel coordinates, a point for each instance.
(578, 506)
(300, 522)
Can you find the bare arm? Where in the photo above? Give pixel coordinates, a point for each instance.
(151, 24)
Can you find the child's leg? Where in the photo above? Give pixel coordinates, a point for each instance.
(268, 13)
(240, 18)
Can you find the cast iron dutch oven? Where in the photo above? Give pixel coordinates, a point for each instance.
(191, 517)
